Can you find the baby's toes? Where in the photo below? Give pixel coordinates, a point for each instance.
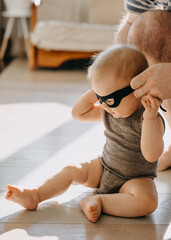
(8, 195)
(93, 216)
(94, 213)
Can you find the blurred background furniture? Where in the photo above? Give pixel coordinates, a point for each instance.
(62, 30)
(19, 11)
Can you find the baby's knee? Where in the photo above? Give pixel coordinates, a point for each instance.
(148, 204)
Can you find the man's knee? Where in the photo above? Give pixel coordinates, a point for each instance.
(159, 33)
(167, 104)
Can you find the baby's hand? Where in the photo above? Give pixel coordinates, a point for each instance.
(151, 105)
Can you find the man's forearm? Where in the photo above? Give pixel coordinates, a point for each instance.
(122, 33)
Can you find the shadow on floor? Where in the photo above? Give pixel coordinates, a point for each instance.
(48, 145)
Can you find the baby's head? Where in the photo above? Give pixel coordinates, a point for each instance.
(112, 70)
(151, 34)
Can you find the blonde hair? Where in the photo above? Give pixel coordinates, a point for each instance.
(118, 61)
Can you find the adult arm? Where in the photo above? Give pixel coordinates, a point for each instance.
(122, 33)
(86, 108)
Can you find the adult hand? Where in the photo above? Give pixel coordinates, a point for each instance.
(155, 80)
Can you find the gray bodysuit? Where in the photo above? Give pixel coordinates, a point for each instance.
(122, 158)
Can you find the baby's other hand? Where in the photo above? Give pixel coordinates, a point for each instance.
(151, 105)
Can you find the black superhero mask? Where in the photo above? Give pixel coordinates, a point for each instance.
(115, 98)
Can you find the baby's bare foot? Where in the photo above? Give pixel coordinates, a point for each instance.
(91, 206)
(27, 198)
(165, 160)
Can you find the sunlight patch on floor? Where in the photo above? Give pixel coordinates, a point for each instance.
(22, 234)
(21, 124)
(82, 149)
(167, 235)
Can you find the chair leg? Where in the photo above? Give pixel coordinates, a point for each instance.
(25, 34)
(20, 39)
(6, 37)
(3, 47)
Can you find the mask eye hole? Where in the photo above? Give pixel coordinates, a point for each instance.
(100, 101)
(110, 101)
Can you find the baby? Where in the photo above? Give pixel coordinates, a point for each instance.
(123, 175)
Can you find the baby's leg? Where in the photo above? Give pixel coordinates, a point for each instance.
(88, 174)
(165, 158)
(137, 197)
(167, 105)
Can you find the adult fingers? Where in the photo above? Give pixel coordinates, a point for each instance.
(145, 98)
(140, 92)
(138, 81)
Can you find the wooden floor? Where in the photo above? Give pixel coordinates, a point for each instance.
(38, 137)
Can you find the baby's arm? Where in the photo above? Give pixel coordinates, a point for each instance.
(152, 130)
(85, 108)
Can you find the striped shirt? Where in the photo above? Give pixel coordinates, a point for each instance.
(140, 6)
